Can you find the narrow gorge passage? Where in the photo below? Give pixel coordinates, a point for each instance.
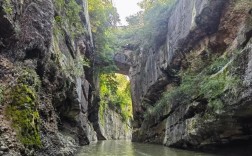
(78, 79)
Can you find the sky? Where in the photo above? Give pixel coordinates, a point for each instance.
(126, 8)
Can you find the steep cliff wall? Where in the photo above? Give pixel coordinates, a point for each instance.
(180, 89)
(46, 79)
(111, 126)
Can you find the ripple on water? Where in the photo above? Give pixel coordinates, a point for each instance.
(128, 148)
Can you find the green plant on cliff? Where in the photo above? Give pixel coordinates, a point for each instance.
(68, 17)
(211, 83)
(22, 109)
(115, 95)
(149, 26)
(7, 6)
(78, 68)
(103, 19)
(215, 86)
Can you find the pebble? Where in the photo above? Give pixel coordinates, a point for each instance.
(11, 146)
(4, 148)
(5, 129)
(1, 153)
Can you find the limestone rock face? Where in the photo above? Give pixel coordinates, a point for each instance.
(152, 69)
(196, 28)
(122, 61)
(38, 38)
(111, 126)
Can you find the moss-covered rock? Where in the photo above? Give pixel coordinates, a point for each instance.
(22, 109)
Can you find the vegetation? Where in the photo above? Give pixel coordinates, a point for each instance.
(7, 6)
(113, 86)
(148, 27)
(103, 18)
(68, 16)
(76, 68)
(22, 109)
(115, 94)
(211, 84)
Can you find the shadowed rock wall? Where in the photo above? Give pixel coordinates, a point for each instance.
(46, 42)
(197, 29)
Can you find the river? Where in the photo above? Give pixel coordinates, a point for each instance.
(127, 148)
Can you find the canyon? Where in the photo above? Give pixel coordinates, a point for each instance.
(190, 87)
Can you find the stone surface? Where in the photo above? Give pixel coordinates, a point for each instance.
(122, 61)
(31, 37)
(111, 126)
(194, 27)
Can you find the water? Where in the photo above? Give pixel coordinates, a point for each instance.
(127, 148)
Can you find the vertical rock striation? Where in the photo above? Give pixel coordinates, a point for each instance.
(46, 48)
(197, 32)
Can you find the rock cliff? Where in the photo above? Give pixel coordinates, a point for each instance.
(110, 126)
(46, 77)
(180, 91)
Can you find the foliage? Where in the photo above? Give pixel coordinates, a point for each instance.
(68, 16)
(148, 27)
(7, 6)
(211, 83)
(103, 18)
(29, 77)
(216, 66)
(215, 86)
(22, 109)
(76, 67)
(58, 19)
(115, 94)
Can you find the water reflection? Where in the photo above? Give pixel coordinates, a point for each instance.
(127, 148)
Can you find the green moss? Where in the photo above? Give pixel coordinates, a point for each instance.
(30, 78)
(8, 7)
(69, 16)
(58, 19)
(24, 115)
(102, 109)
(22, 109)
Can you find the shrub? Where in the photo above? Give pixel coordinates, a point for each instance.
(211, 83)
(115, 95)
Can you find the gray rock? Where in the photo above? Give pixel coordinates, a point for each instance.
(194, 27)
(4, 148)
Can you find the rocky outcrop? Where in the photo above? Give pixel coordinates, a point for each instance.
(122, 61)
(197, 31)
(46, 80)
(111, 126)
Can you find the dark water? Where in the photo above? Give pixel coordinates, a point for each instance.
(127, 148)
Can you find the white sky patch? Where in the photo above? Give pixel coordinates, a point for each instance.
(126, 8)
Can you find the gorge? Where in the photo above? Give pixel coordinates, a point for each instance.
(188, 63)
